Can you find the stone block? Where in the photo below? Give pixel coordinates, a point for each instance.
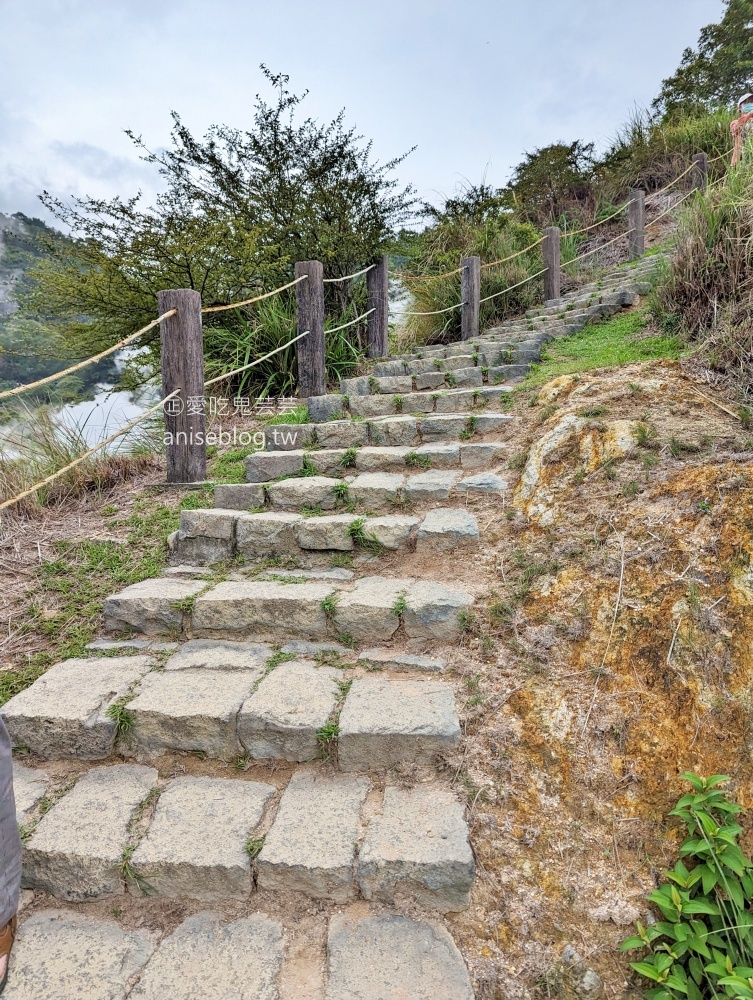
(376, 459)
(151, 607)
(328, 461)
(218, 654)
(445, 529)
(458, 363)
(308, 491)
(59, 955)
(277, 610)
(76, 850)
(239, 496)
(501, 373)
(489, 423)
(385, 723)
(195, 845)
(418, 402)
(395, 383)
(373, 957)
(289, 437)
(469, 377)
(418, 849)
(191, 710)
(484, 482)
(393, 531)
(312, 844)
(430, 380)
(282, 717)
(325, 532)
(324, 408)
(382, 368)
(368, 610)
(455, 401)
(342, 434)
(63, 714)
(430, 486)
(432, 610)
(269, 534)
(204, 537)
(355, 386)
(424, 366)
(396, 431)
(266, 466)
(29, 785)
(204, 957)
(374, 489)
(299, 647)
(478, 456)
(372, 406)
(442, 456)
(441, 425)
(390, 659)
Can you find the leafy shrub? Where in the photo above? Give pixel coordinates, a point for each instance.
(702, 949)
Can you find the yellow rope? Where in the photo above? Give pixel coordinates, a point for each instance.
(87, 454)
(236, 371)
(512, 256)
(89, 361)
(348, 277)
(670, 209)
(351, 322)
(256, 298)
(524, 282)
(427, 277)
(435, 312)
(599, 223)
(672, 183)
(602, 246)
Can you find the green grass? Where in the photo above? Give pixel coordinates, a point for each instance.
(230, 467)
(298, 415)
(604, 345)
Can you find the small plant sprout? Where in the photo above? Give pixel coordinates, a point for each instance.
(470, 428)
(364, 539)
(397, 404)
(329, 605)
(253, 847)
(417, 461)
(373, 384)
(400, 606)
(341, 492)
(122, 718)
(348, 461)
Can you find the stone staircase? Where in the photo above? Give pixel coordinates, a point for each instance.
(314, 842)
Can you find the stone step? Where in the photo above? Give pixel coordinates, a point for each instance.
(258, 536)
(399, 430)
(369, 955)
(268, 466)
(449, 400)
(120, 828)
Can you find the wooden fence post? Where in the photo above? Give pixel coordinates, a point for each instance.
(309, 299)
(471, 293)
(552, 249)
(637, 224)
(182, 348)
(700, 172)
(377, 298)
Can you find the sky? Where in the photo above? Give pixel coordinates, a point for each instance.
(473, 84)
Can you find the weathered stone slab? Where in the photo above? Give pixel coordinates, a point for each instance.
(432, 610)
(387, 722)
(219, 654)
(196, 844)
(204, 958)
(328, 461)
(368, 610)
(459, 361)
(263, 609)
(445, 529)
(282, 717)
(376, 459)
(382, 368)
(299, 647)
(325, 532)
(289, 437)
(424, 366)
(441, 456)
(478, 456)
(309, 491)
(373, 489)
(430, 380)
(431, 486)
(312, 844)
(29, 785)
(151, 607)
(389, 957)
(372, 406)
(191, 710)
(417, 402)
(204, 537)
(501, 373)
(60, 955)
(342, 434)
(76, 850)
(397, 431)
(269, 534)
(441, 425)
(469, 377)
(239, 496)
(487, 423)
(126, 646)
(484, 482)
(455, 402)
(395, 384)
(333, 573)
(358, 386)
(323, 408)
(63, 714)
(390, 659)
(393, 531)
(418, 848)
(264, 466)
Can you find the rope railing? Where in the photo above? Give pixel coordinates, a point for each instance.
(89, 453)
(352, 322)
(253, 364)
(655, 194)
(671, 208)
(428, 277)
(587, 229)
(349, 277)
(256, 298)
(435, 312)
(89, 361)
(601, 246)
(525, 281)
(504, 260)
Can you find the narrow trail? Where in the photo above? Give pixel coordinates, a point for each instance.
(243, 791)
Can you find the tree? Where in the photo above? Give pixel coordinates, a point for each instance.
(237, 210)
(552, 181)
(718, 71)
